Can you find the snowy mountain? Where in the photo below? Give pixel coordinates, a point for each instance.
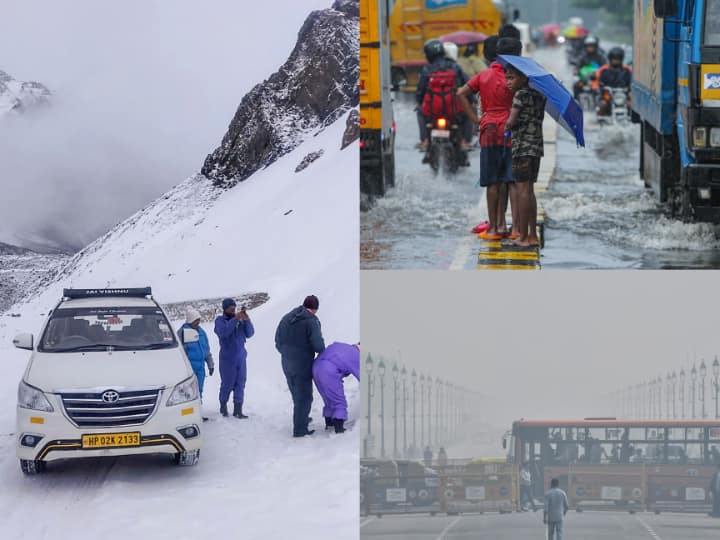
(272, 239)
(17, 96)
(21, 270)
(316, 86)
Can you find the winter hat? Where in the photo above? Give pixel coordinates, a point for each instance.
(192, 315)
(311, 302)
(227, 303)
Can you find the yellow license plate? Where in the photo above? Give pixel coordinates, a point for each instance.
(111, 440)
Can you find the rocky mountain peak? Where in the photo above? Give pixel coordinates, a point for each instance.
(316, 86)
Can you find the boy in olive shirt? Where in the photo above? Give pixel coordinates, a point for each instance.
(525, 122)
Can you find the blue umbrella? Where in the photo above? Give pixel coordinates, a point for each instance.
(560, 103)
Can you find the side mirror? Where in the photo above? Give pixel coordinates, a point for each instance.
(190, 335)
(24, 341)
(665, 8)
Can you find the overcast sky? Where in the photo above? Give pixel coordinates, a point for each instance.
(542, 344)
(143, 91)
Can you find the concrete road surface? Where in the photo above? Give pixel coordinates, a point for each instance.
(528, 526)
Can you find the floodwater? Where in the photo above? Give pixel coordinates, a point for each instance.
(599, 214)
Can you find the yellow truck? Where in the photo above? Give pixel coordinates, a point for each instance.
(413, 22)
(377, 126)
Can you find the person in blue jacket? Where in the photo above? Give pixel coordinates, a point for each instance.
(233, 329)
(198, 352)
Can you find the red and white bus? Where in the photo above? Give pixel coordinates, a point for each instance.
(656, 465)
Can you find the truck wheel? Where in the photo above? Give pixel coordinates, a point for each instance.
(32, 467)
(389, 169)
(187, 459)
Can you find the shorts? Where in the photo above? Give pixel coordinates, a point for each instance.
(495, 165)
(525, 168)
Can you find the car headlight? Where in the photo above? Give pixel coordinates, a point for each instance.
(715, 137)
(32, 398)
(185, 391)
(699, 137)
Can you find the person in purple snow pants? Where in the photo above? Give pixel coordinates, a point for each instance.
(330, 368)
(233, 329)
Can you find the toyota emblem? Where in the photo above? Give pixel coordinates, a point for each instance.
(110, 396)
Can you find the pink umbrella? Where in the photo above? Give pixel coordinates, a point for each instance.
(463, 37)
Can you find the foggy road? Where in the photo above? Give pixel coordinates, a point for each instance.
(528, 526)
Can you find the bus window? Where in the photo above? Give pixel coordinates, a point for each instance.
(694, 452)
(695, 434)
(637, 434)
(655, 434)
(676, 434)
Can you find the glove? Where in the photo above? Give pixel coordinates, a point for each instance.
(211, 371)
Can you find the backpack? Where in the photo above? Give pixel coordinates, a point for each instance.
(440, 98)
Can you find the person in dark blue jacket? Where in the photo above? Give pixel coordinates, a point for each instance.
(233, 329)
(198, 352)
(298, 339)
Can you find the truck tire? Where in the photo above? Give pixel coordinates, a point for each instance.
(32, 467)
(389, 169)
(187, 459)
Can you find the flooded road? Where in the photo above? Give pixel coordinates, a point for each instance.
(599, 214)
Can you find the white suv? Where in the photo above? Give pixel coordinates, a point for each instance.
(106, 378)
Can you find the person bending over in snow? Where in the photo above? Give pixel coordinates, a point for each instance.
(330, 368)
(233, 329)
(198, 352)
(298, 338)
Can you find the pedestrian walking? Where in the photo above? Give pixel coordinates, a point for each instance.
(442, 457)
(233, 329)
(715, 490)
(525, 123)
(198, 350)
(526, 491)
(556, 506)
(298, 339)
(336, 362)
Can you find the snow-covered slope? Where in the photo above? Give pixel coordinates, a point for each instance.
(283, 233)
(17, 96)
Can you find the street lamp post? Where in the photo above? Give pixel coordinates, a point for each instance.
(659, 383)
(716, 386)
(682, 392)
(651, 398)
(395, 376)
(429, 415)
(403, 374)
(371, 393)
(437, 411)
(381, 373)
(413, 376)
(668, 392)
(673, 382)
(422, 413)
(703, 374)
(693, 379)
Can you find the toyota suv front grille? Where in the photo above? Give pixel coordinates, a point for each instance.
(110, 408)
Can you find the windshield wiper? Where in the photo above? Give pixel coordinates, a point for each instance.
(96, 347)
(153, 346)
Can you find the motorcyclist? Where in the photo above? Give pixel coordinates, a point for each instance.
(592, 53)
(613, 75)
(437, 61)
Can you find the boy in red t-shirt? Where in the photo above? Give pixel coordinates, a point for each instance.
(495, 153)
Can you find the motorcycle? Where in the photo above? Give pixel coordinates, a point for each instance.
(613, 106)
(586, 94)
(445, 148)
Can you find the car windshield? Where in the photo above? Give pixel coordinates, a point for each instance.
(121, 328)
(712, 22)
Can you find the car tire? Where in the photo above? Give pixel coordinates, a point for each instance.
(187, 459)
(32, 467)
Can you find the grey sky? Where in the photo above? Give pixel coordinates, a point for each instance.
(144, 89)
(541, 344)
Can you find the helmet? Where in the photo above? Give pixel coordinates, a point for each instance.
(451, 50)
(591, 41)
(616, 53)
(433, 50)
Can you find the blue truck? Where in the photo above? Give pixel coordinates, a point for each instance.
(676, 99)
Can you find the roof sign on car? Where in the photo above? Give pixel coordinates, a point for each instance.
(137, 292)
